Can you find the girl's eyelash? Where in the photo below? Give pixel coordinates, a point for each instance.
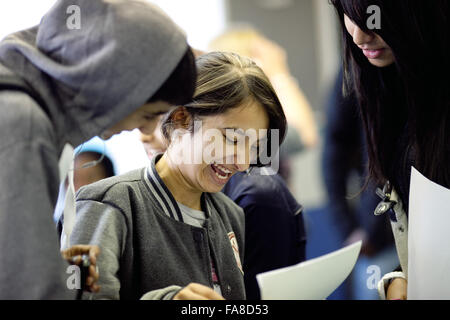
(235, 141)
(229, 140)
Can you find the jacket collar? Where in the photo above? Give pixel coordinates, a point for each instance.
(163, 195)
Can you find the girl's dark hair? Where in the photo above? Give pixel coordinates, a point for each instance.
(410, 99)
(180, 86)
(227, 80)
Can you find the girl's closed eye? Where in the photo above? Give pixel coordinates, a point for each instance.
(233, 136)
(231, 139)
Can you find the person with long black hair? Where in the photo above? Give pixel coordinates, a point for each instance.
(398, 70)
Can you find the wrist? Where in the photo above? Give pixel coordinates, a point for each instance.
(386, 281)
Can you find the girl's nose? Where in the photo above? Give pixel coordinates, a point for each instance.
(360, 37)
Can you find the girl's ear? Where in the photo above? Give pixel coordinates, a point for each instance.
(181, 118)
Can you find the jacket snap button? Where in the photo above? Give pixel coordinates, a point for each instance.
(198, 236)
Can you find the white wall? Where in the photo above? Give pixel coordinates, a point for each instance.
(16, 15)
(201, 19)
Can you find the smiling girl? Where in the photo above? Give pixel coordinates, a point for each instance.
(165, 231)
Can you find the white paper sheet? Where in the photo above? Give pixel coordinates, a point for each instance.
(428, 239)
(314, 279)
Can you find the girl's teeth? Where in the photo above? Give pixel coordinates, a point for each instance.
(221, 177)
(223, 170)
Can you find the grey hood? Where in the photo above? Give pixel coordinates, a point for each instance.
(92, 77)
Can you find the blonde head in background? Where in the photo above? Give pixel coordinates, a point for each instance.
(246, 41)
(239, 40)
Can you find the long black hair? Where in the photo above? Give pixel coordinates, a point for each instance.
(409, 100)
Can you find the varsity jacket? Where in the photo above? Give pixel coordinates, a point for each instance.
(147, 251)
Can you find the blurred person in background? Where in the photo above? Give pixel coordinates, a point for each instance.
(302, 131)
(350, 204)
(93, 162)
(87, 174)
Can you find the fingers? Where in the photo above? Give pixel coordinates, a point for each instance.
(182, 295)
(76, 251)
(397, 290)
(206, 292)
(196, 291)
(73, 255)
(92, 279)
(92, 287)
(93, 254)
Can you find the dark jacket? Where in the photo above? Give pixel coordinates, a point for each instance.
(345, 156)
(274, 229)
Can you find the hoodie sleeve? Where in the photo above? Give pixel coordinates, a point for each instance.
(31, 266)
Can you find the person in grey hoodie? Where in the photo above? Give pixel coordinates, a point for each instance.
(122, 64)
